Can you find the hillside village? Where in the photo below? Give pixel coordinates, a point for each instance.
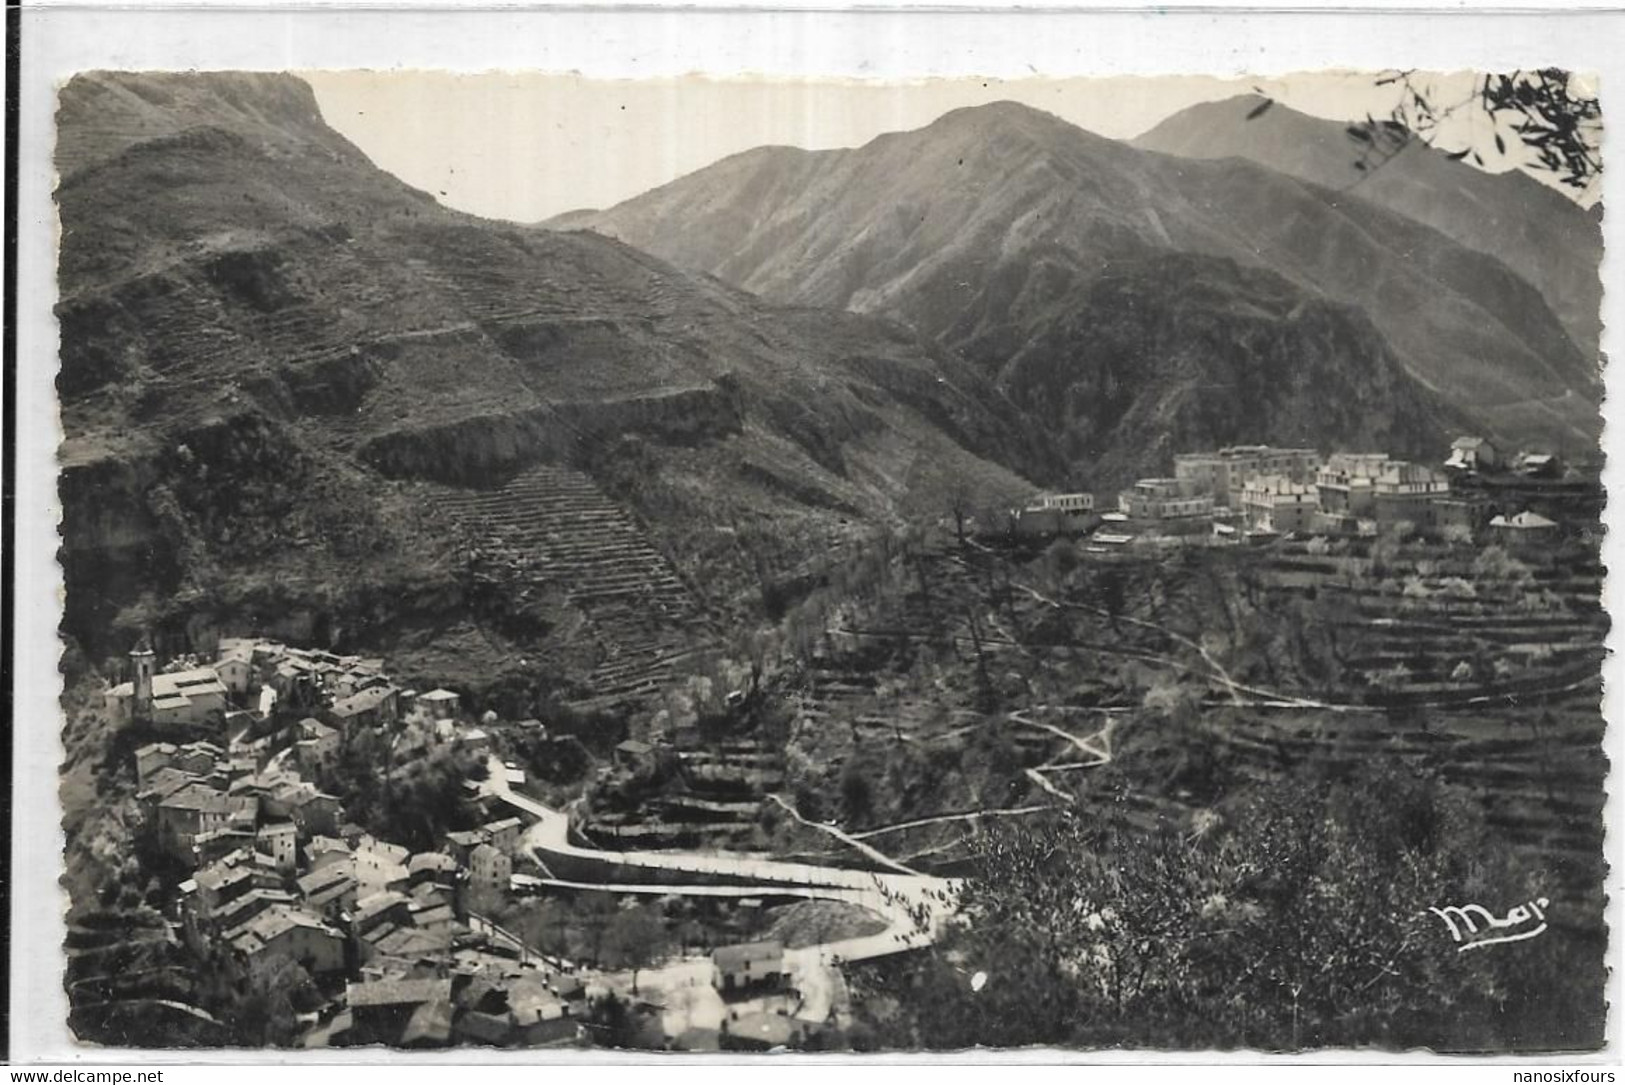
(1256, 492)
(391, 945)
(278, 878)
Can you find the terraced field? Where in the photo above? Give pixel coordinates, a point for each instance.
(1541, 790)
(713, 801)
(1490, 672)
(1444, 628)
(555, 530)
(1491, 676)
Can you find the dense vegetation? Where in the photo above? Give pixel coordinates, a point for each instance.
(1297, 919)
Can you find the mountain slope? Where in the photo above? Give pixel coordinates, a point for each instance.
(283, 373)
(1191, 352)
(1531, 228)
(980, 228)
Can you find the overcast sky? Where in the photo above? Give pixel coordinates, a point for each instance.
(526, 146)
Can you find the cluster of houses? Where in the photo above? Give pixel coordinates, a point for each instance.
(757, 999)
(202, 801)
(210, 796)
(1260, 490)
(486, 1005)
(399, 943)
(249, 679)
(270, 888)
(278, 877)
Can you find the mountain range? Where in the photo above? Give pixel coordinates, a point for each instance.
(993, 229)
(1547, 237)
(282, 368)
(301, 397)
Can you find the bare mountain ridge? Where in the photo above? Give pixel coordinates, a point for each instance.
(252, 314)
(978, 228)
(1533, 229)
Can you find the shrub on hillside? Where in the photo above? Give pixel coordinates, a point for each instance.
(1299, 921)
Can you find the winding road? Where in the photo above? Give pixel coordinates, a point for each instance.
(914, 905)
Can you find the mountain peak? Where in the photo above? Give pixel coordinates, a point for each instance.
(102, 114)
(1003, 113)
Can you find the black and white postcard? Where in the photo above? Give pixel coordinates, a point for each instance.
(1088, 561)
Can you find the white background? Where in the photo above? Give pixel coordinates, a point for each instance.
(886, 43)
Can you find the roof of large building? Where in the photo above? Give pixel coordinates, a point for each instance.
(166, 782)
(177, 688)
(435, 916)
(365, 700)
(328, 882)
(372, 847)
(438, 695)
(200, 797)
(532, 1002)
(272, 924)
(379, 903)
(398, 992)
(410, 942)
(485, 1027)
(187, 683)
(218, 875)
(430, 1024)
(315, 728)
(734, 958)
(430, 860)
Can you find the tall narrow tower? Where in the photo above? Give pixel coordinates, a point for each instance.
(142, 663)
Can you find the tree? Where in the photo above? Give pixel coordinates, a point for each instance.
(597, 912)
(636, 938)
(1300, 921)
(759, 648)
(857, 794)
(610, 1022)
(683, 915)
(424, 798)
(1113, 587)
(961, 500)
(1555, 115)
(1546, 120)
(986, 695)
(262, 1012)
(1059, 560)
